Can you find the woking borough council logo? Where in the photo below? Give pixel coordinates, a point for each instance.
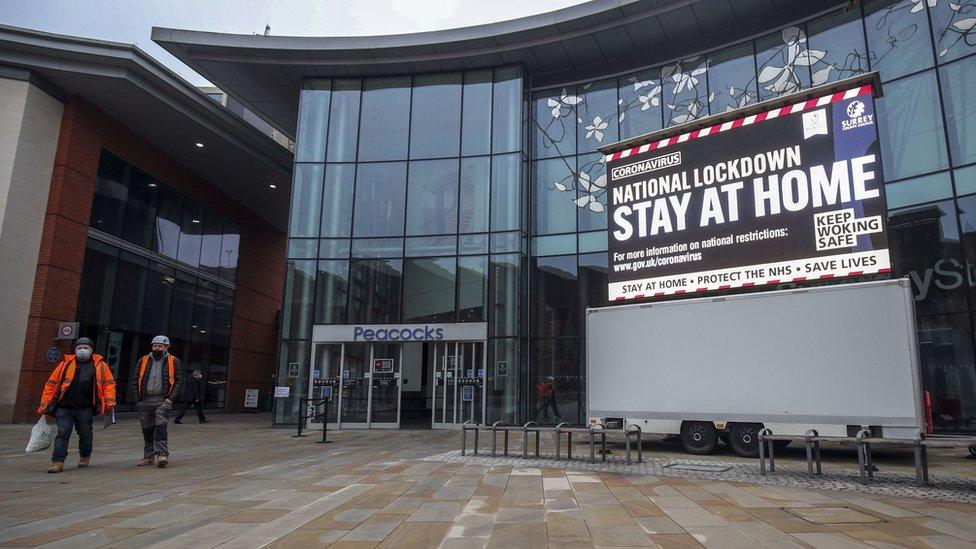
(856, 117)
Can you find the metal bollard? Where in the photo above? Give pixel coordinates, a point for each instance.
(494, 437)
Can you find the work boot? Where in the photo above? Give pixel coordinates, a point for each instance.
(178, 422)
(84, 462)
(56, 467)
(162, 460)
(145, 461)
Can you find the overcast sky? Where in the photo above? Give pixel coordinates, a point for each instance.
(130, 21)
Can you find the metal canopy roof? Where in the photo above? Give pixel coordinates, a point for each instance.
(154, 102)
(594, 38)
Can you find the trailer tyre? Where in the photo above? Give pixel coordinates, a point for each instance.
(698, 437)
(744, 439)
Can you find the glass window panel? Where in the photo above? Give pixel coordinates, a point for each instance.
(302, 248)
(129, 290)
(306, 200)
(473, 207)
(952, 26)
(506, 112)
(945, 351)
(296, 318)
(432, 197)
(502, 381)
(476, 117)
(554, 196)
(334, 248)
(191, 234)
(337, 197)
(222, 317)
(203, 311)
(554, 245)
(965, 180)
(230, 247)
(836, 50)
(898, 37)
(780, 56)
(140, 211)
(435, 120)
(591, 193)
(431, 245)
(967, 223)
(169, 214)
(331, 290)
(344, 121)
(97, 283)
(505, 242)
(213, 232)
(473, 244)
(286, 408)
(639, 105)
(159, 289)
(593, 242)
(181, 306)
(385, 118)
(925, 247)
(685, 90)
(374, 291)
(598, 110)
(503, 292)
(556, 379)
(910, 127)
(380, 190)
(377, 247)
(313, 123)
(732, 78)
(472, 288)
(555, 309)
(505, 199)
(111, 193)
(428, 290)
(554, 123)
(593, 280)
(916, 191)
(958, 85)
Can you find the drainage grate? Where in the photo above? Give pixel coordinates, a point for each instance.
(698, 467)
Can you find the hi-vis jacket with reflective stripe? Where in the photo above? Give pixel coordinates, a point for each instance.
(64, 374)
(172, 377)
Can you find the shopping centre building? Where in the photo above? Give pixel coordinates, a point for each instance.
(448, 227)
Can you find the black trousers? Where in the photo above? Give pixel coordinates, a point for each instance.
(196, 404)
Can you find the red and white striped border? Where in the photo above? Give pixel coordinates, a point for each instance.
(739, 122)
(751, 284)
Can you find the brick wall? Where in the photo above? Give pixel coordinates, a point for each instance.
(85, 130)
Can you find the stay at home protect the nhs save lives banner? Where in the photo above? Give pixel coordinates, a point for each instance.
(791, 194)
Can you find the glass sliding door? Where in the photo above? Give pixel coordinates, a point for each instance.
(459, 390)
(325, 376)
(384, 407)
(354, 403)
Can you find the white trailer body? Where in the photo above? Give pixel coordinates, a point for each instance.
(829, 358)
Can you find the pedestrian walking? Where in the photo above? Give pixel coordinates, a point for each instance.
(158, 381)
(193, 397)
(80, 387)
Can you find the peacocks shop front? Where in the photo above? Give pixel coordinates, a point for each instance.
(388, 376)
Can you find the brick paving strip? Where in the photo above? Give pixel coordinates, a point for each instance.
(238, 483)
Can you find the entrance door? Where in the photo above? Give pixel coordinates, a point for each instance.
(384, 391)
(458, 383)
(364, 380)
(326, 370)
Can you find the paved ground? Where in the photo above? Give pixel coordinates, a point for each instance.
(237, 483)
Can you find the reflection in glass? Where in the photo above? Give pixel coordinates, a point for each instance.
(432, 197)
(639, 103)
(474, 188)
(898, 37)
(169, 213)
(286, 408)
(505, 184)
(435, 120)
(313, 121)
(555, 378)
(506, 112)
(732, 78)
(296, 314)
(428, 290)
(331, 288)
(554, 196)
(503, 293)
(230, 247)
(948, 375)
(374, 291)
(910, 127)
(337, 198)
(472, 288)
(958, 83)
(476, 128)
(306, 200)
(128, 291)
(111, 192)
(502, 381)
(380, 190)
(140, 208)
(191, 234)
(927, 188)
(159, 289)
(385, 118)
(836, 47)
(343, 121)
(554, 310)
(213, 229)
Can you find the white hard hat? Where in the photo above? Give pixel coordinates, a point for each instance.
(161, 339)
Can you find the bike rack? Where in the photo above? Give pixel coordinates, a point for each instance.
(469, 425)
(303, 416)
(812, 445)
(637, 434)
(494, 437)
(525, 439)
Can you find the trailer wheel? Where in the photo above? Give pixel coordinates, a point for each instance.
(698, 437)
(744, 439)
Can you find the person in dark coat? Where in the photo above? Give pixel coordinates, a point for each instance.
(193, 397)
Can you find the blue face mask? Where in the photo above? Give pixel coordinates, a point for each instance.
(83, 353)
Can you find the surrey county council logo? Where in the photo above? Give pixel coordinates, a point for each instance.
(856, 117)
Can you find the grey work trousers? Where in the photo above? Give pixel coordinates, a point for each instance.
(154, 415)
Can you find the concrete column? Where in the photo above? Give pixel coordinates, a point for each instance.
(30, 122)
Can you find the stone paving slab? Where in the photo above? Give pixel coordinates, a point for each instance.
(236, 483)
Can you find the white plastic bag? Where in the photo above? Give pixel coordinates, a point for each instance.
(41, 436)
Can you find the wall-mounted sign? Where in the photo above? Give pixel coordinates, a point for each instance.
(326, 392)
(785, 195)
(67, 330)
(282, 392)
(251, 398)
(501, 368)
(467, 393)
(53, 355)
(383, 365)
(467, 331)
(294, 369)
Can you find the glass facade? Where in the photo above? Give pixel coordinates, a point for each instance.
(418, 199)
(157, 263)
